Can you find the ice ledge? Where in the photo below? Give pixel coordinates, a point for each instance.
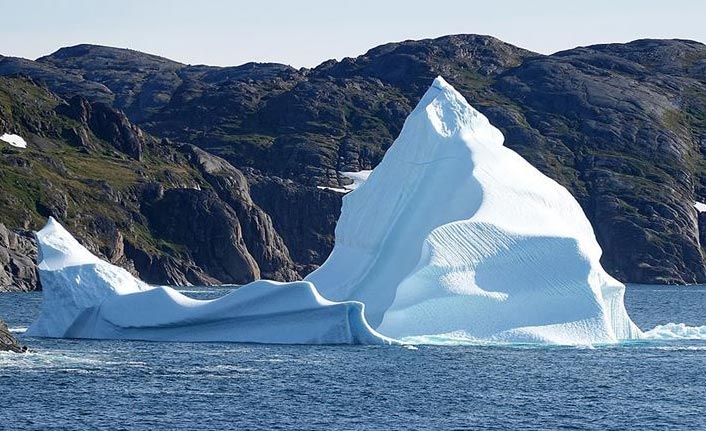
(85, 297)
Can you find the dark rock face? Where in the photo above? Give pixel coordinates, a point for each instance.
(67, 84)
(163, 269)
(18, 255)
(169, 215)
(8, 343)
(138, 83)
(107, 124)
(413, 64)
(622, 126)
(304, 216)
(262, 240)
(615, 124)
(208, 229)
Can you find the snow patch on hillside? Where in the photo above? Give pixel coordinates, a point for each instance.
(358, 178)
(333, 189)
(14, 140)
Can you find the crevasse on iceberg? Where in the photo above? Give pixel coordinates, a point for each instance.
(453, 237)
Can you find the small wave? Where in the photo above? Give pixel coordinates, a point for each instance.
(680, 348)
(676, 331)
(450, 339)
(225, 368)
(18, 330)
(211, 290)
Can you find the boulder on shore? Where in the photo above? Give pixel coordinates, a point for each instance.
(8, 342)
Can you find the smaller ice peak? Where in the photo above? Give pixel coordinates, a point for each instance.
(700, 207)
(14, 140)
(59, 249)
(85, 297)
(73, 280)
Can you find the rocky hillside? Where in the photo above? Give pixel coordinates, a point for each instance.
(171, 213)
(623, 126)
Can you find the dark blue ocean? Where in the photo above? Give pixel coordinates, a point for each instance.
(114, 385)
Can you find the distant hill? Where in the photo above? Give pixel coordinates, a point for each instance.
(623, 126)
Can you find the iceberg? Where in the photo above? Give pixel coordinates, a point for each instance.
(85, 297)
(453, 238)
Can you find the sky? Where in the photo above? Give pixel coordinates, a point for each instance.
(304, 33)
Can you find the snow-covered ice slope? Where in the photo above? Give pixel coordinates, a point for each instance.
(454, 235)
(85, 297)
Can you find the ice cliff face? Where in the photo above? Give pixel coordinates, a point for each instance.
(453, 237)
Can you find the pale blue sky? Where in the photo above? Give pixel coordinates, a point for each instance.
(305, 33)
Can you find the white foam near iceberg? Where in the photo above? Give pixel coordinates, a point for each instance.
(676, 331)
(452, 238)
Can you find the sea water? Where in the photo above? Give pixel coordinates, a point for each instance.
(84, 384)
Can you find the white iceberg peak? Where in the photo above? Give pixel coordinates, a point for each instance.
(60, 249)
(450, 113)
(440, 83)
(441, 126)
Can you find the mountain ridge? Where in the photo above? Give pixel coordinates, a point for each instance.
(622, 126)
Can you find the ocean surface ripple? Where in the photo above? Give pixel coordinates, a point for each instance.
(85, 384)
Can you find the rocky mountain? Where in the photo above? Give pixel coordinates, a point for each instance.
(242, 149)
(170, 213)
(18, 254)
